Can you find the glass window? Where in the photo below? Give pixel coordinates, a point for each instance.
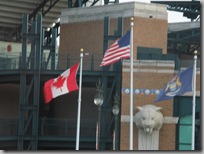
(185, 127)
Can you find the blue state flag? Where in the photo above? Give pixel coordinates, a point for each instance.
(179, 84)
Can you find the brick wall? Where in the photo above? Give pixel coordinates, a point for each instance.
(147, 76)
(89, 36)
(84, 28)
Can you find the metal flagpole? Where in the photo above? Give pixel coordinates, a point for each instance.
(131, 84)
(79, 101)
(194, 102)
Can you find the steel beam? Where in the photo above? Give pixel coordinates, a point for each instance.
(106, 108)
(30, 97)
(190, 9)
(22, 84)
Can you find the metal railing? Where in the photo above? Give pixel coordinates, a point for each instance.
(62, 61)
(91, 61)
(66, 127)
(51, 127)
(8, 127)
(173, 57)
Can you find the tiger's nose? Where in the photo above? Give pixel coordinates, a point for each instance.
(148, 123)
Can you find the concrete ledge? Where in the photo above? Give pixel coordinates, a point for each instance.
(153, 66)
(171, 120)
(125, 118)
(148, 70)
(136, 9)
(167, 120)
(191, 93)
(161, 63)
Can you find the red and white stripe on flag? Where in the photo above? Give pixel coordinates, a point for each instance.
(115, 53)
(120, 49)
(63, 84)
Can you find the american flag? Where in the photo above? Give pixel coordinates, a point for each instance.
(120, 49)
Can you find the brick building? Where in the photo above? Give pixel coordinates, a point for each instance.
(85, 27)
(94, 29)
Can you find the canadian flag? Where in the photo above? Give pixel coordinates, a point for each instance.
(63, 84)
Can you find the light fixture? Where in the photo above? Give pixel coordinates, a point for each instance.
(115, 109)
(98, 98)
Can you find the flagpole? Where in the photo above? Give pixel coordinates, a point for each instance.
(131, 84)
(79, 100)
(194, 101)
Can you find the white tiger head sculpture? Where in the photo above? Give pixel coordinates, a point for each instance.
(149, 118)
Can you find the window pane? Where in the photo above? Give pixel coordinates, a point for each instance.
(184, 147)
(186, 120)
(185, 130)
(185, 134)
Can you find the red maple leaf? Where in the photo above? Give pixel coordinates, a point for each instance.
(59, 82)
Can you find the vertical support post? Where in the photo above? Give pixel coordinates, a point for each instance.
(43, 57)
(105, 34)
(53, 47)
(102, 117)
(22, 83)
(118, 91)
(118, 76)
(116, 132)
(37, 70)
(29, 98)
(99, 127)
(106, 1)
(117, 66)
(115, 111)
(69, 3)
(33, 47)
(80, 3)
(117, 118)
